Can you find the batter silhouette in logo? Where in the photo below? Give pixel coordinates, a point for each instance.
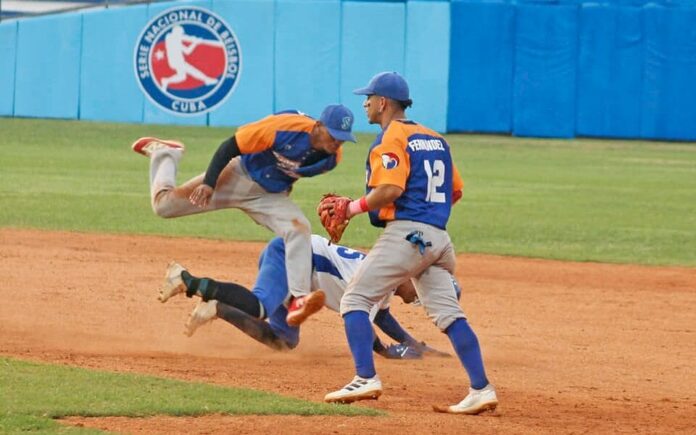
(187, 60)
(176, 49)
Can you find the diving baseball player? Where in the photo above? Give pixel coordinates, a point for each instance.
(254, 171)
(412, 184)
(332, 267)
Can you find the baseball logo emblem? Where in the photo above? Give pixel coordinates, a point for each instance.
(390, 160)
(187, 60)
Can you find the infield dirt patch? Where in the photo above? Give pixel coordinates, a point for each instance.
(571, 347)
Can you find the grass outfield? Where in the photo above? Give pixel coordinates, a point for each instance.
(583, 200)
(33, 394)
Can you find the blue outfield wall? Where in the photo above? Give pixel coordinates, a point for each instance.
(548, 68)
(481, 67)
(253, 97)
(307, 54)
(669, 91)
(427, 51)
(545, 70)
(610, 71)
(47, 82)
(372, 40)
(8, 48)
(107, 65)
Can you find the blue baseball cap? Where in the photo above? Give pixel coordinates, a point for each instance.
(338, 119)
(386, 84)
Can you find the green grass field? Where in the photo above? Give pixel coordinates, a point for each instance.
(583, 200)
(33, 394)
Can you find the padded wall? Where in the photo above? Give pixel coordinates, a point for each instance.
(48, 65)
(8, 48)
(610, 71)
(545, 70)
(252, 22)
(427, 61)
(481, 67)
(154, 114)
(669, 92)
(108, 89)
(307, 53)
(372, 41)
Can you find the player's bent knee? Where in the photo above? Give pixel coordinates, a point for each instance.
(162, 208)
(301, 225)
(444, 321)
(354, 302)
(160, 211)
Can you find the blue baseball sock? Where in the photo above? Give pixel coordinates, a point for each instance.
(360, 337)
(468, 350)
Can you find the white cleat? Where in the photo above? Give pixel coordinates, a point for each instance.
(358, 389)
(476, 402)
(147, 145)
(173, 284)
(204, 312)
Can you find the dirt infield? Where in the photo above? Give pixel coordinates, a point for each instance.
(571, 347)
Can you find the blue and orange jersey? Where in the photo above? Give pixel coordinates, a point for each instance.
(276, 150)
(417, 159)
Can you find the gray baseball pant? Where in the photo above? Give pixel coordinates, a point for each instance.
(235, 189)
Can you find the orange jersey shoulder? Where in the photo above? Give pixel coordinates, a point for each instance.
(260, 135)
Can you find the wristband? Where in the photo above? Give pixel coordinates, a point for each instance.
(358, 206)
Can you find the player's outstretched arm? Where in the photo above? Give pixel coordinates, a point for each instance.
(225, 152)
(390, 326)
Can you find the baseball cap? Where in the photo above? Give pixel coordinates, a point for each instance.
(338, 119)
(386, 84)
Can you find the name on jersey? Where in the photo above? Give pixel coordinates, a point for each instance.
(426, 145)
(286, 165)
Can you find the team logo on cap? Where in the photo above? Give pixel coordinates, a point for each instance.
(390, 160)
(346, 122)
(187, 60)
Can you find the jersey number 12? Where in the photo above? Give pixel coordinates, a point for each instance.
(436, 178)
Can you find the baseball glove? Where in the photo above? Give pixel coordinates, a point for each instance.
(333, 212)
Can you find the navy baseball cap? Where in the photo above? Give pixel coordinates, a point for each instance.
(338, 119)
(386, 84)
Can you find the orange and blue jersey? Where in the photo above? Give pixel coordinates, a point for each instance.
(418, 160)
(276, 150)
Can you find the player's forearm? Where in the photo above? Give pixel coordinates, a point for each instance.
(383, 195)
(379, 197)
(378, 347)
(225, 152)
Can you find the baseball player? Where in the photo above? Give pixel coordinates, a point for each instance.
(412, 184)
(254, 171)
(332, 267)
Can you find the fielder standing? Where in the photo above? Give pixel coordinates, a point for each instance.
(412, 184)
(254, 171)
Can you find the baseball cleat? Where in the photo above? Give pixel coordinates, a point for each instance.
(303, 307)
(146, 145)
(358, 389)
(203, 313)
(173, 284)
(476, 402)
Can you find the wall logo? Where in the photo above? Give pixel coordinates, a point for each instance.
(390, 160)
(187, 60)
